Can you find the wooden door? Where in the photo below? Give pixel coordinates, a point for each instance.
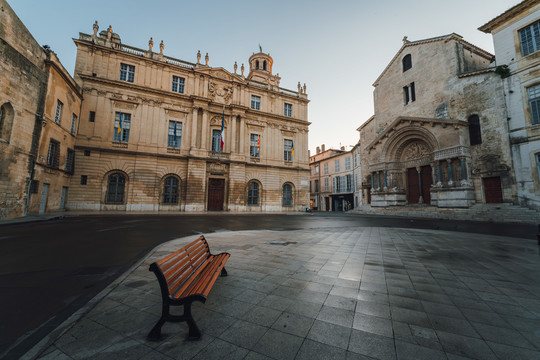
(493, 190)
(216, 194)
(327, 203)
(427, 180)
(413, 194)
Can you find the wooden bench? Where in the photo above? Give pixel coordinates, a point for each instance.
(185, 276)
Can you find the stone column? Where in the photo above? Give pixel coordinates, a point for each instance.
(194, 128)
(204, 130)
(241, 142)
(372, 175)
(433, 173)
(439, 182)
(385, 181)
(450, 178)
(420, 197)
(463, 169)
(233, 133)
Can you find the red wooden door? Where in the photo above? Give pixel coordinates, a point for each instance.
(413, 195)
(427, 180)
(216, 194)
(493, 190)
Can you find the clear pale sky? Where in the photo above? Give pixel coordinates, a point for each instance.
(338, 48)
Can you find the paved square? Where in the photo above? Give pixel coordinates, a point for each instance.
(346, 293)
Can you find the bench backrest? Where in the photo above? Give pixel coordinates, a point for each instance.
(182, 266)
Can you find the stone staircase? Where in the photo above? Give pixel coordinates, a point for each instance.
(479, 212)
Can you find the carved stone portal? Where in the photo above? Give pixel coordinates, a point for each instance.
(416, 150)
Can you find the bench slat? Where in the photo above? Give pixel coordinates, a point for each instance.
(181, 255)
(170, 256)
(173, 274)
(209, 276)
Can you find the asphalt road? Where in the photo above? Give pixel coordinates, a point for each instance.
(49, 270)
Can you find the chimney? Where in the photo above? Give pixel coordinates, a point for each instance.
(322, 147)
(309, 153)
(343, 148)
(318, 150)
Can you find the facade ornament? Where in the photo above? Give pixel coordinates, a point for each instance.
(299, 88)
(96, 28)
(405, 41)
(161, 47)
(415, 151)
(235, 67)
(225, 92)
(206, 59)
(199, 57)
(150, 44)
(242, 69)
(305, 88)
(109, 33)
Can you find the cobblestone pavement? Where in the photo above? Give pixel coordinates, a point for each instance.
(335, 293)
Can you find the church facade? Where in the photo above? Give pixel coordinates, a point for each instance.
(439, 135)
(162, 134)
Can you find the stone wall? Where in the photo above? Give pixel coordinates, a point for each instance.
(22, 90)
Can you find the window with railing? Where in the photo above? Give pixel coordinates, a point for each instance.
(53, 156)
(175, 134)
(122, 125)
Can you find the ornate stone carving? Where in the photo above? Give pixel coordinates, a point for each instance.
(415, 150)
(216, 120)
(224, 92)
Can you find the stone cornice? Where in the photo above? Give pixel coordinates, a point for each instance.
(412, 120)
(507, 16)
(197, 101)
(176, 156)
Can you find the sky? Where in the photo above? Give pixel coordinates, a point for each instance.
(337, 48)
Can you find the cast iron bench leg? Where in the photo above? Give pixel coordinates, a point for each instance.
(194, 332)
(223, 272)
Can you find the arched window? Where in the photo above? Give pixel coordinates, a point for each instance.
(253, 193)
(475, 134)
(257, 64)
(115, 188)
(407, 62)
(264, 65)
(170, 190)
(287, 195)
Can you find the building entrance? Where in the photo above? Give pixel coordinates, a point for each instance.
(419, 185)
(216, 194)
(493, 190)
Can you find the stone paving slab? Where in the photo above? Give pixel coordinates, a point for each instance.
(341, 293)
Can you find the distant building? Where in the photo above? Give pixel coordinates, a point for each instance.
(162, 134)
(39, 112)
(332, 180)
(439, 134)
(516, 36)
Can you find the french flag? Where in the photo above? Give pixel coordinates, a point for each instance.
(223, 129)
